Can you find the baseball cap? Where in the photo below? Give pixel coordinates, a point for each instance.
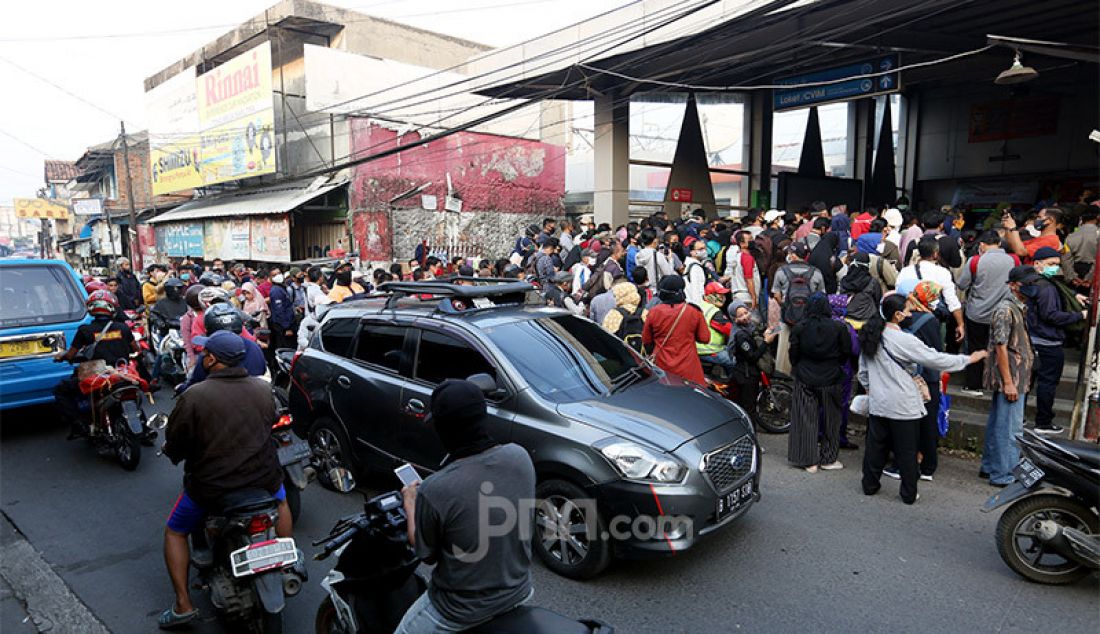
(893, 218)
(1024, 273)
(226, 346)
(772, 215)
(714, 288)
(799, 249)
(1046, 252)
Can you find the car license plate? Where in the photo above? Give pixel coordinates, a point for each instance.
(10, 349)
(1027, 473)
(275, 553)
(294, 452)
(733, 500)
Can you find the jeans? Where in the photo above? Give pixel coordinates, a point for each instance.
(423, 618)
(977, 338)
(721, 358)
(1048, 373)
(999, 453)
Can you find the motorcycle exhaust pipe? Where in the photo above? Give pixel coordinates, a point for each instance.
(292, 583)
(1053, 534)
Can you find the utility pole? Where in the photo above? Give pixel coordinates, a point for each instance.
(135, 241)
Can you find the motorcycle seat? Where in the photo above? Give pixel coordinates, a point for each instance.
(534, 620)
(1086, 452)
(246, 501)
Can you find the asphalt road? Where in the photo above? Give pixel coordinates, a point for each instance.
(814, 555)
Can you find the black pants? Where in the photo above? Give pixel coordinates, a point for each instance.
(900, 436)
(803, 448)
(1050, 361)
(747, 391)
(929, 434)
(66, 399)
(977, 338)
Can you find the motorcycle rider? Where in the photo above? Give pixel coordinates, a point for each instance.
(222, 316)
(104, 338)
(173, 306)
(221, 430)
(716, 350)
(480, 572)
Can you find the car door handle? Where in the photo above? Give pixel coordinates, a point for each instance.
(415, 407)
(343, 381)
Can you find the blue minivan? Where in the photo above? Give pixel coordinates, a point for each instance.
(41, 306)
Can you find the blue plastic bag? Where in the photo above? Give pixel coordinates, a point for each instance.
(944, 417)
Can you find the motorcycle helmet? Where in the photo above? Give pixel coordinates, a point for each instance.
(173, 288)
(212, 295)
(94, 285)
(222, 317)
(211, 279)
(102, 303)
(192, 297)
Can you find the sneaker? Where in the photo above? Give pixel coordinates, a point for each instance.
(811, 469)
(972, 393)
(926, 478)
(891, 472)
(983, 474)
(832, 466)
(1051, 430)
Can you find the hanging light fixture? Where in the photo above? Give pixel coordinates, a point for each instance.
(1017, 73)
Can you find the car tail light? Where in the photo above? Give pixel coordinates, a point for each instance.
(284, 421)
(259, 524)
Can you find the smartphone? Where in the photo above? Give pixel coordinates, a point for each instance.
(407, 474)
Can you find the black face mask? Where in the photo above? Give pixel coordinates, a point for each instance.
(344, 277)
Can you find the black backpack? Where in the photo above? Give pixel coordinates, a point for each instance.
(798, 293)
(630, 330)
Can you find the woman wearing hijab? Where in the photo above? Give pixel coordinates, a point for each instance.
(842, 227)
(888, 369)
(672, 329)
(839, 305)
(863, 291)
(254, 304)
(819, 348)
(747, 349)
(823, 258)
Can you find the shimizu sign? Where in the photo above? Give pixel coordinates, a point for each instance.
(40, 208)
(237, 117)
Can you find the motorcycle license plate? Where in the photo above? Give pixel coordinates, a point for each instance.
(294, 452)
(275, 553)
(734, 500)
(1027, 473)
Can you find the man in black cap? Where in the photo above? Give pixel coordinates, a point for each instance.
(221, 430)
(483, 566)
(1007, 375)
(1047, 320)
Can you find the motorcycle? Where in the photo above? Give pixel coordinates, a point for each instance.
(773, 399)
(169, 354)
(1050, 532)
(111, 409)
(374, 580)
(147, 360)
(295, 457)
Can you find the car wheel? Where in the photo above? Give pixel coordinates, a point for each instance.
(570, 536)
(332, 454)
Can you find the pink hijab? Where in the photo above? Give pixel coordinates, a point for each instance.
(255, 305)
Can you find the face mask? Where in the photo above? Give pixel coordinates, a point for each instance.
(1051, 271)
(185, 276)
(1040, 224)
(1029, 291)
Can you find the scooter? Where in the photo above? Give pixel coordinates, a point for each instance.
(375, 581)
(167, 344)
(1050, 532)
(295, 457)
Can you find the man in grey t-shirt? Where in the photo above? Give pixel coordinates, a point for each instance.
(473, 518)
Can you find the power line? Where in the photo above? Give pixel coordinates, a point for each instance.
(61, 88)
(18, 140)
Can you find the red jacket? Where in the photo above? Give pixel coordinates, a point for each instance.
(861, 224)
(675, 352)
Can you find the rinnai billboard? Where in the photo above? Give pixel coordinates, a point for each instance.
(217, 127)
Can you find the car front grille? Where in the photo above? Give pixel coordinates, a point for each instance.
(726, 467)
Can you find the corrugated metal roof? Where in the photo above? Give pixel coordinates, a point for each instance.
(274, 199)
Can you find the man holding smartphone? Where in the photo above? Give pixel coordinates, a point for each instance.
(459, 519)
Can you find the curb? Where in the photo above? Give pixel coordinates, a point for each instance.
(49, 602)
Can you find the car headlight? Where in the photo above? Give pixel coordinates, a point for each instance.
(635, 462)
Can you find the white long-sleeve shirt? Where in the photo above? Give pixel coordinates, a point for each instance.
(890, 387)
(934, 273)
(695, 281)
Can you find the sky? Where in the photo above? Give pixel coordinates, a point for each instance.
(71, 70)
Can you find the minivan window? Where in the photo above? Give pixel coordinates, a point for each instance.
(565, 358)
(442, 357)
(36, 295)
(381, 345)
(336, 335)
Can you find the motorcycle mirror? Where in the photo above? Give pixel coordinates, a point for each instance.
(341, 479)
(158, 421)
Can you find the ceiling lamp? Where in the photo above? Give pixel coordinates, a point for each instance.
(1017, 73)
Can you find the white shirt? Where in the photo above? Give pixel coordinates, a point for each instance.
(313, 293)
(696, 281)
(581, 273)
(934, 273)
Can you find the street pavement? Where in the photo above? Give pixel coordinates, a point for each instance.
(814, 555)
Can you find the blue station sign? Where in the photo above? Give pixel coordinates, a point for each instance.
(855, 88)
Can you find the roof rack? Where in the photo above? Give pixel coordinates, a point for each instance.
(456, 298)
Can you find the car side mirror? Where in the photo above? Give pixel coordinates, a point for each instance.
(487, 385)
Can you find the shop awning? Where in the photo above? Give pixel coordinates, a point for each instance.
(273, 199)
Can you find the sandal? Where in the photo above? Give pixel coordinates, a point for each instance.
(168, 619)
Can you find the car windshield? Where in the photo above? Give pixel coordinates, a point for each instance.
(36, 295)
(565, 358)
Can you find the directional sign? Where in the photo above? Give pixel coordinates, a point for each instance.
(856, 88)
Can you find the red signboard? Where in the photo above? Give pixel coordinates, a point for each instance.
(681, 195)
(1013, 119)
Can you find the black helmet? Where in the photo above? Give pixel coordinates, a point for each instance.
(532, 231)
(173, 287)
(222, 316)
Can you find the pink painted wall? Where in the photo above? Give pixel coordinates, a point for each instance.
(490, 173)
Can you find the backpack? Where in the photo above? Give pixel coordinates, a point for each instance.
(798, 293)
(708, 275)
(630, 330)
(571, 258)
(597, 283)
(720, 259)
(1070, 304)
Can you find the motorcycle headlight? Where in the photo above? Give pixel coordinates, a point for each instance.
(636, 462)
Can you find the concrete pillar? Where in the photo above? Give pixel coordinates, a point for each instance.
(612, 196)
(760, 148)
(909, 133)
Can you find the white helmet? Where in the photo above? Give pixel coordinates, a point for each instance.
(212, 295)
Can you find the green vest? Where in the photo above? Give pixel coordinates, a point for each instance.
(717, 339)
